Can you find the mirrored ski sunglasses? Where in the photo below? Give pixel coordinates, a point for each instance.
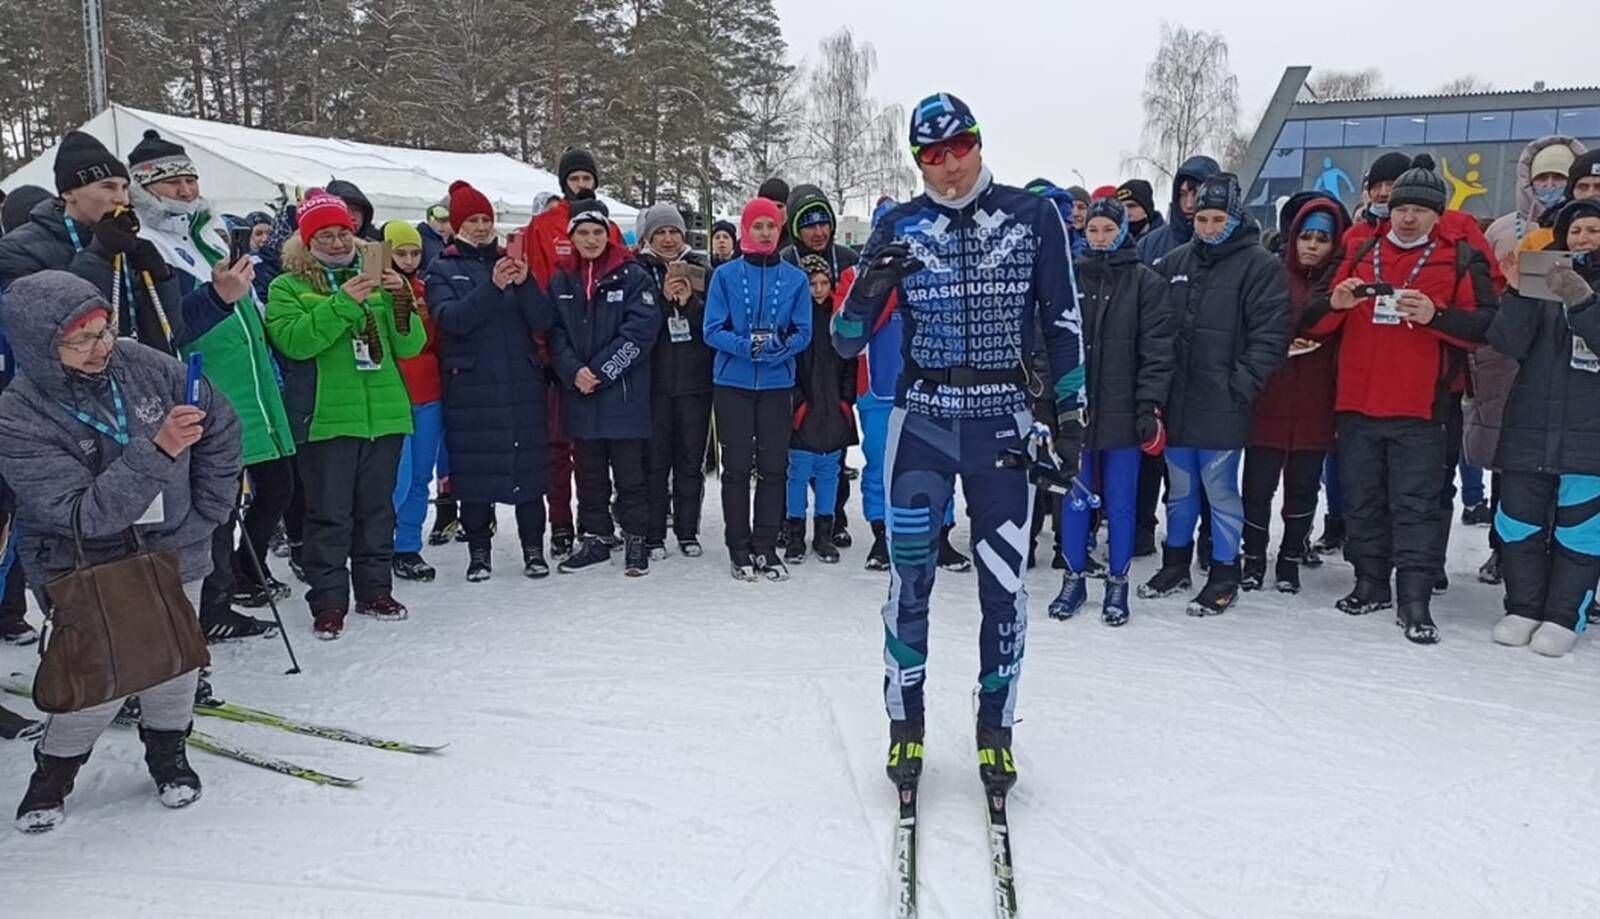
(960, 145)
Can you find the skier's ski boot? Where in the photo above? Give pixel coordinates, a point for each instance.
(635, 557)
(996, 766)
(949, 558)
(1286, 577)
(1114, 611)
(176, 783)
(479, 566)
(1332, 539)
(1074, 593)
(1368, 597)
(1413, 616)
(770, 566)
(1252, 572)
(1220, 592)
(1490, 572)
(410, 566)
(878, 555)
(43, 805)
(742, 565)
(792, 540)
(534, 566)
(15, 727)
(1203, 549)
(904, 766)
(1174, 573)
(822, 541)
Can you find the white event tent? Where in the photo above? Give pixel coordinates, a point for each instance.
(242, 169)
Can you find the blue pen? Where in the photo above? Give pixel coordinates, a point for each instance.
(191, 387)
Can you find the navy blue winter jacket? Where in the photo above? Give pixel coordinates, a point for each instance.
(607, 321)
(1179, 229)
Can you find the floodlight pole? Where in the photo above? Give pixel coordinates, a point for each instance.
(94, 48)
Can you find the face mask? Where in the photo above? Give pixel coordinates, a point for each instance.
(1380, 211)
(1414, 244)
(343, 261)
(1550, 197)
(1222, 237)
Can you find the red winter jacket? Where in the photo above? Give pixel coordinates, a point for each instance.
(546, 243)
(1407, 370)
(1295, 410)
(421, 373)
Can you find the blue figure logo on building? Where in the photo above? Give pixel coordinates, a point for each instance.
(1332, 177)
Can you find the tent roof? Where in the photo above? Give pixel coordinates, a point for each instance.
(244, 168)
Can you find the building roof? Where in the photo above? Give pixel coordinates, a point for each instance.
(1553, 97)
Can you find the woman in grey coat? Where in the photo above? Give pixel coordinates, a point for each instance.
(96, 431)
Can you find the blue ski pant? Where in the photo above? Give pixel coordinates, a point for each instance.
(924, 457)
(808, 471)
(1215, 472)
(874, 414)
(1549, 530)
(422, 453)
(1114, 476)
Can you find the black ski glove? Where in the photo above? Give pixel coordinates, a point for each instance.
(1069, 441)
(893, 264)
(145, 257)
(116, 233)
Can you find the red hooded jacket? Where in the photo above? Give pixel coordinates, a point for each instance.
(546, 242)
(421, 373)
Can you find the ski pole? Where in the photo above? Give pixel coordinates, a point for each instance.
(261, 578)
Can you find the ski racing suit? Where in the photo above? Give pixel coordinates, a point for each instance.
(995, 273)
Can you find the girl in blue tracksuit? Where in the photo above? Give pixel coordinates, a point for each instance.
(758, 318)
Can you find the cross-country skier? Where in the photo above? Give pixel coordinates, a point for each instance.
(980, 268)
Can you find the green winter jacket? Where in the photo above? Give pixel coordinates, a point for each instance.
(315, 331)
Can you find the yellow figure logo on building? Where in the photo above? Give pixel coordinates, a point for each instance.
(1462, 190)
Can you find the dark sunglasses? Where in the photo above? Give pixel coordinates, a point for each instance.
(959, 145)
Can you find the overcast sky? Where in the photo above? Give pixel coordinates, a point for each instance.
(1056, 85)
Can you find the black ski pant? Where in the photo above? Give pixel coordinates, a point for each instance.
(476, 518)
(1301, 474)
(349, 500)
(1549, 528)
(599, 464)
(680, 426)
(1392, 470)
(753, 434)
(271, 490)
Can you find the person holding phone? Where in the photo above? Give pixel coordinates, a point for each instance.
(424, 451)
(223, 323)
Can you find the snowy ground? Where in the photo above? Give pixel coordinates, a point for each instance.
(685, 746)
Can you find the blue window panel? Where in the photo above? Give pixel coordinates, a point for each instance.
(1579, 122)
(1284, 164)
(1363, 132)
(1447, 129)
(1489, 126)
(1531, 123)
(1327, 132)
(1404, 130)
(1292, 135)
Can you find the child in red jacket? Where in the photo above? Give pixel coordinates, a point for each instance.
(424, 449)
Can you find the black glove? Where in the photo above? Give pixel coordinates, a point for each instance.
(891, 265)
(145, 257)
(116, 233)
(1152, 432)
(1069, 442)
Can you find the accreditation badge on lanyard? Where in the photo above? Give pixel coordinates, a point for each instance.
(1583, 358)
(678, 329)
(1386, 307)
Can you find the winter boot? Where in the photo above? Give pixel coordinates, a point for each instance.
(410, 566)
(1332, 539)
(17, 632)
(657, 548)
(996, 766)
(296, 568)
(43, 806)
(635, 557)
(561, 542)
(841, 532)
(793, 540)
(327, 624)
(592, 552)
(1441, 584)
(15, 727)
(904, 765)
(279, 544)
(742, 565)
(224, 623)
(446, 522)
(1413, 616)
(533, 564)
(1369, 596)
(1252, 572)
(1174, 573)
(1114, 611)
(1203, 549)
(1092, 568)
(248, 594)
(689, 547)
(1287, 576)
(1058, 562)
(1553, 640)
(878, 555)
(1074, 593)
(1477, 515)
(1222, 588)
(479, 566)
(1490, 572)
(949, 558)
(1515, 631)
(822, 542)
(176, 783)
(770, 566)
(1144, 543)
(383, 607)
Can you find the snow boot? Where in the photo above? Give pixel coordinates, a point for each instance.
(1441, 584)
(1253, 572)
(840, 534)
(383, 607)
(410, 566)
(793, 540)
(1489, 572)
(1174, 573)
(534, 566)
(949, 558)
(996, 766)
(1286, 577)
(770, 566)
(1203, 550)
(592, 552)
(296, 549)
(1114, 610)
(17, 632)
(44, 804)
(689, 547)
(743, 567)
(1144, 543)
(479, 566)
(1477, 515)
(562, 540)
(224, 623)
(878, 555)
(176, 783)
(1074, 593)
(1515, 631)
(822, 542)
(635, 557)
(1413, 616)
(446, 522)
(1368, 597)
(904, 763)
(327, 624)
(657, 549)
(1553, 640)
(1220, 592)
(1332, 539)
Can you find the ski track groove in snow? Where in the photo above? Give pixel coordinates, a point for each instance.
(682, 746)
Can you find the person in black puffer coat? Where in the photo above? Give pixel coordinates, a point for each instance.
(1128, 342)
(606, 327)
(1549, 452)
(680, 385)
(1230, 311)
(824, 424)
(360, 208)
(487, 308)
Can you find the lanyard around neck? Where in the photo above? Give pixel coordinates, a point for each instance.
(118, 433)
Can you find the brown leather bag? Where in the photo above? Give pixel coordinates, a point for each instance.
(115, 628)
